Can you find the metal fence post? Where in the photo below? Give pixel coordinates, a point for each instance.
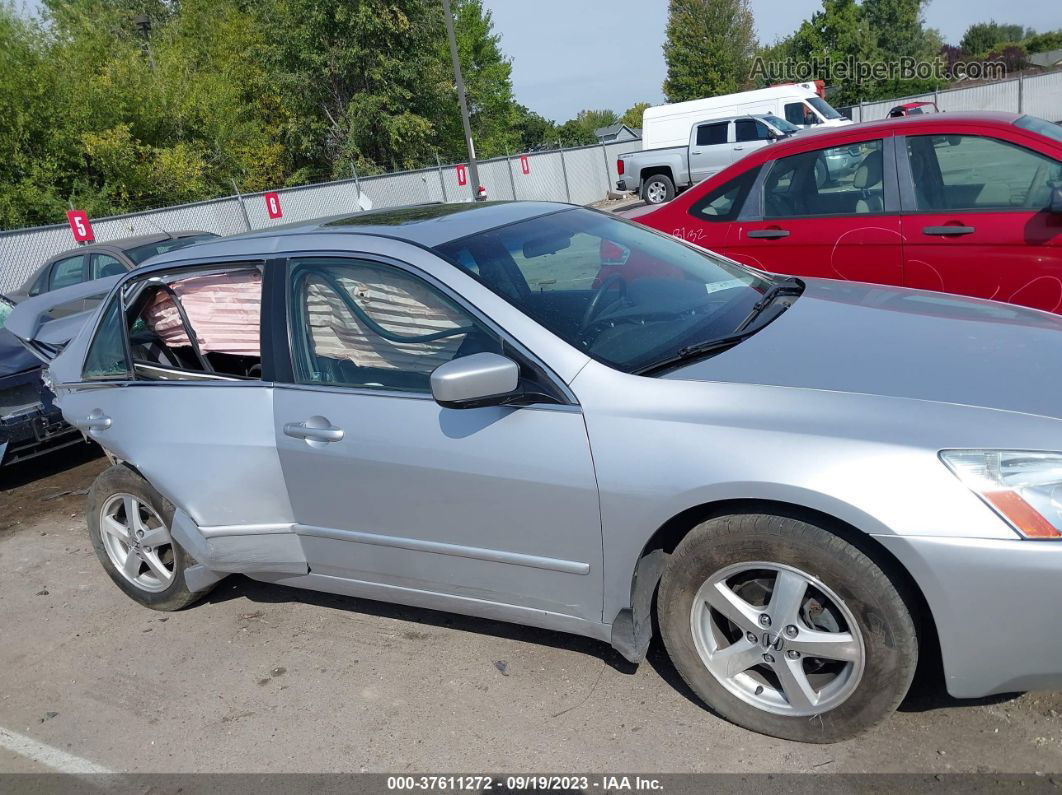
(861, 110)
(512, 179)
(564, 171)
(1021, 92)
(608, 174)
(243, 209)
(442, 181)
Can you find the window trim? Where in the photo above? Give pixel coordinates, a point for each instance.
(114, 297)
(908, 201)
(890, 194)
(285, 358)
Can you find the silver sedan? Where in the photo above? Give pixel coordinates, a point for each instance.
(542, 414)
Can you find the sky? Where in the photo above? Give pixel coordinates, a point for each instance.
(574, 54)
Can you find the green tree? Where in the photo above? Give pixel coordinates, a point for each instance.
(1044, 42)
(532, 130)
(709, 48)
(986, 36)
(487, 72)
(834, 34)
(633, 115)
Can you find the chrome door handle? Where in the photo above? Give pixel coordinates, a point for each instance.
(96, 421)
(694, 153)
(302, 430)
(948, 231)
(769, 234)
(738, 148)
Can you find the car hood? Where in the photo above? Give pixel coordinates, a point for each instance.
(14, 358)
(849, 337)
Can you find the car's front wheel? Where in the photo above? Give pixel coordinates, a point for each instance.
(129, 525)
(785, 628)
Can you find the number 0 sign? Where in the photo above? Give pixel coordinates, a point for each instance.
(272, 201)
(80, 226)
(462, 174)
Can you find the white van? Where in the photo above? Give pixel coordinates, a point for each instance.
(799, 104)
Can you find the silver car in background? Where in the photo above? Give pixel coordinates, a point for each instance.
(542, 414)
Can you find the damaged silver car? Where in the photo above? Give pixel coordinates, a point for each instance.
(542, 414)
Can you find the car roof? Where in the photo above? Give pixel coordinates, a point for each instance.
(126, 243)
(425, 225)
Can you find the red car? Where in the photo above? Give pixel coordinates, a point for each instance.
(959, 203)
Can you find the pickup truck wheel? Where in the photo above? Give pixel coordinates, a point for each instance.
(658, 189)
(786, 629)
(129, 522)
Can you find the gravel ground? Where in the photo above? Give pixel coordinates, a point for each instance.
(265, 678)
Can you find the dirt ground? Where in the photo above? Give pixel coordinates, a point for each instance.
(264, 678)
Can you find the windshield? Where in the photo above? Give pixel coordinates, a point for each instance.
(1038, 125)
(140, 254)
(781, 125)
(624, 294)
(5, 310)
(824, 108)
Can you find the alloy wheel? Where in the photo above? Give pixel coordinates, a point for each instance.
(777, 638)
(137, 542)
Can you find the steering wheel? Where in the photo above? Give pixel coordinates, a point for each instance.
(595, 302)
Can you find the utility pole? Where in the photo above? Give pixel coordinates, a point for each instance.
(473, 170)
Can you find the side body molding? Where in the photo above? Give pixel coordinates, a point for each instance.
(276, 550)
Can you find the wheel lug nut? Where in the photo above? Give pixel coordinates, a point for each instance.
(765, 620)
(139, 533)
(768, 658)
(791, 631)
(751, 638)
(147, 549)
(793, 654)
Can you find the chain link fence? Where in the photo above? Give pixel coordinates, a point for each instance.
(1039, 95)
(580, 175)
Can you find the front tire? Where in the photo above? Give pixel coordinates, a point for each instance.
(129, 522)
(658, 189)
(786, 629)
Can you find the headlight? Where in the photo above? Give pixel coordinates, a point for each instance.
(1025, 488)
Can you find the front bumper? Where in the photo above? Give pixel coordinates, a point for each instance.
(30, 424)
(997, 605)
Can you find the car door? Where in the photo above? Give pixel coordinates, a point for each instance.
(171, 384)
(711, 150)
(405, 500)
(829, 212)
(975, 219)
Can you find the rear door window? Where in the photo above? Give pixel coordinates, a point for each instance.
(712, 134)
(67, 272)
(106, 359)
(196, 326)
(837, 181)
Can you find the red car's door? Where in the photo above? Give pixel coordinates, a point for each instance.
(975, 220)
(830, 213)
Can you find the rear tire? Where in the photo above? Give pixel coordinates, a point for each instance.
(764, 674)
(658, 189)
(128, 523)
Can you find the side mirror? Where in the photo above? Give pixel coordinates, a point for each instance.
(1056, 200)
(482, 379)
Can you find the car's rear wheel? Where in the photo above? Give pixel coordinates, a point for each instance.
(658, 189)
(785, 628)
(129, 525)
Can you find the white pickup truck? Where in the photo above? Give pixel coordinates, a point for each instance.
(657, 174)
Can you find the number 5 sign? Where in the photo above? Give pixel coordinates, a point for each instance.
(80, 226)
(272, 201)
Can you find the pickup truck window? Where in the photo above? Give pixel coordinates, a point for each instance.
(712, 134)
(750, 130)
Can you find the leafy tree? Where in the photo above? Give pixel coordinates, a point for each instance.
(487, 72)
(533, 131)
(575, 133)
(633, 115)
(835, 33)
(898, 29)
(1043, 42)
(709, 48)
(985, 36)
